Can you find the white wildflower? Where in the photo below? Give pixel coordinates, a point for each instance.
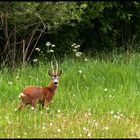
(48, 43)
(73, 44)
(53, 45)
(111, 112)
(89, 134)
(86, 59)
(77, 46)
(80, 71)
(110, 96)
(50, 51)
(58, 130)
(74, 50)
(115, 116)
(105, 89)
(10, 83)
(105, 128)
(51, 124)
(35, 60)
(37, 49)
(58, 111)
(84, 128)
(78, 54)
(96, 123)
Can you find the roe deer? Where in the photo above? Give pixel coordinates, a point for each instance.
(43, 95)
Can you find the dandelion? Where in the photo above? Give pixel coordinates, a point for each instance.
(86, 59)
(89, 134)
(105, 89)
(9, 122)
(17, 77)
(25, 133)
(118, 117)
(105, 128)
(47, 108)
(43, 127)
(58, 130)
(110, 96)
(35, 60)
(51, 124)
(115, 116)
(96, 123)
(111, 112)
(10, 83)
(48, 43)
(80, 71)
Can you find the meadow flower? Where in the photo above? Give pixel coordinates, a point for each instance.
(115, 116)
(10, 83)
(17, 77)
(74, 50)
(48, 43)
(25, 133)
(111, 112)
(58, 130)
(50, 51)
(78, 54)
(53, 45)
(80, 71)
(73, 44)
(58, 111)
(51, 124)
(105, 128)
(35, 60)
(110, 96)
(43, 127)
(47, 108)
(86, 59)
(89, 134)
(77, 46)
(96, 123)
(105, 89)
(37, 49)
(9, 122)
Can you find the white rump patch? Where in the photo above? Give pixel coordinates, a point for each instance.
(21, 95)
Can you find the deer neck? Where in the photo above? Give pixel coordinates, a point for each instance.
(52, 87)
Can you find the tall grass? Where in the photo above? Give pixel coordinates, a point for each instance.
(96, 98)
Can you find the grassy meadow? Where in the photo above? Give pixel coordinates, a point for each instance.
(96, 98)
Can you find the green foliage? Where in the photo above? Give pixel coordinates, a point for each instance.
(102, 26)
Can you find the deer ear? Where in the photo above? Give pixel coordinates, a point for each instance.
(49, 73)
(59, 73)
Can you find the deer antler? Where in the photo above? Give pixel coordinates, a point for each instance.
(56, 67)
(52, 67)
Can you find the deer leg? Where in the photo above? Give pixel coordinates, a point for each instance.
(21, 106)
(34, 105)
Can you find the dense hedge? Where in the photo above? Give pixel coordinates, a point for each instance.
(96, 26)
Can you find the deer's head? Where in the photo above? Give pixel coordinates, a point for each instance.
(54, 74)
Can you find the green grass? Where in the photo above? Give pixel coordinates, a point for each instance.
(101, 101)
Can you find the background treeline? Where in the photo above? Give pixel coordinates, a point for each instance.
(26, 27)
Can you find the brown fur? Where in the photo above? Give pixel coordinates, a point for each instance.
(36, 94)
